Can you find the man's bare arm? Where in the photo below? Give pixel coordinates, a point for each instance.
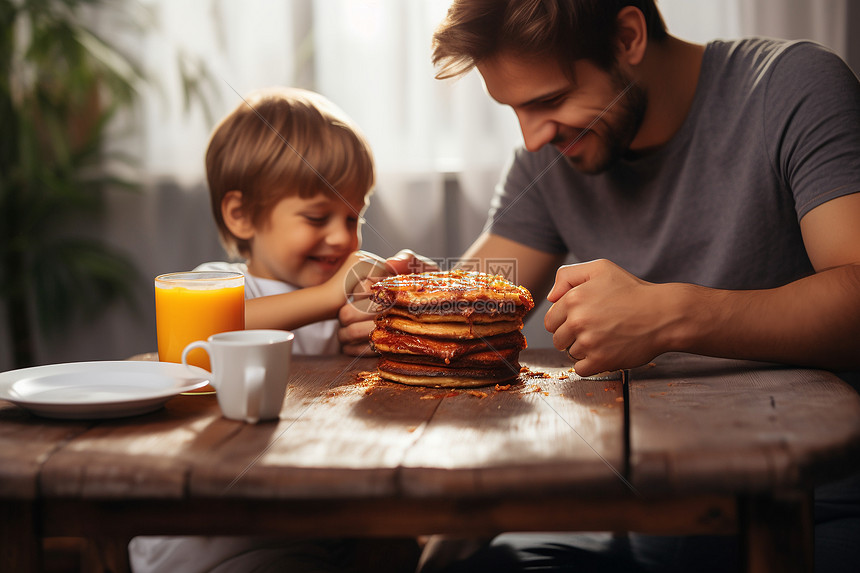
(534, 269)
(611, 320)
(814, 321)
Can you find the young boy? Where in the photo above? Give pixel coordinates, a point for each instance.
(289, 177)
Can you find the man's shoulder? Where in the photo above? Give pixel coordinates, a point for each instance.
(759, 55)
(750, 74)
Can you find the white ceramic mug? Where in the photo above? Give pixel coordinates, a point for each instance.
(250, 369)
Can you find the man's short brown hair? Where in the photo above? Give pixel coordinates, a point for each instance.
(566, 30)
(282, 142)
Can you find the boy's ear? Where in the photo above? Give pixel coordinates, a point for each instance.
(632, 36)
(237, 220)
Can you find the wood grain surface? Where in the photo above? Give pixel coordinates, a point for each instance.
(687, 444)
(551, 432)
(708, 424)
(26, 442)
(696, 425)
(342, 433)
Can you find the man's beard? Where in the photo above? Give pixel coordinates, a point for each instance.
(620, 131)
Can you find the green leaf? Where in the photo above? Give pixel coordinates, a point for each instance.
(61, 84)
(80, 277)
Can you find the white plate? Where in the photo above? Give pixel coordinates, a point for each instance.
(98, 389)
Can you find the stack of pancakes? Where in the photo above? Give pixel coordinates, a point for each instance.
(449, 329)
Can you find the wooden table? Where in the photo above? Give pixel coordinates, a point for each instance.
(689, 445)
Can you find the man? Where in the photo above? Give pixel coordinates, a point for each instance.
(734, 193)
(682, 164)
(726, 176)
(712, 192)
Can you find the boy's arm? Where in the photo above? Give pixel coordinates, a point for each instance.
(291, 310)
(312, 304)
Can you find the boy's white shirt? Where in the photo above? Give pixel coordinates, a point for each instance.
(316, 338)
(153, 554)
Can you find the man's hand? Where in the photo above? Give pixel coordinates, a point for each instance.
(606, 317)
(357, 316)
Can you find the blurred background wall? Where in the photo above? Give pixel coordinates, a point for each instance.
(440, 146)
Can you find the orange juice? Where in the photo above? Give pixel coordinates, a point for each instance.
(193, 306)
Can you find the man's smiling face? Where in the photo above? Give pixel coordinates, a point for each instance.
(554, 109)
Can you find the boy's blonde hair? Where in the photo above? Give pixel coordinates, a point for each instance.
(282, 142)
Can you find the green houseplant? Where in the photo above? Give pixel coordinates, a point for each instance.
(60, 86)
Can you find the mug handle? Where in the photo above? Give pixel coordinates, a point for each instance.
(254, 378)
(198, 344)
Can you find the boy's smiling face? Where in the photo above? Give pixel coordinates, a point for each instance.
(306, 240)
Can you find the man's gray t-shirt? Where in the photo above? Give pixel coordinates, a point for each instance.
(773, 132)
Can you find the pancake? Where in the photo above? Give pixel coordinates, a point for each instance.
(453, 329)
(453, 381)
(387, 341)
(450, 292)
(474, 317)
(482, 359)
(449, 329)
(445, 377)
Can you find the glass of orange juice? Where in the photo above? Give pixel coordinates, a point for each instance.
(192, 306)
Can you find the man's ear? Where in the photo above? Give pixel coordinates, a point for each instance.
(236, 218)
(632, 36)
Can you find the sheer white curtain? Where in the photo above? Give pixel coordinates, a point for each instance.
(439, 145)
(373, 58)
(824, 21)
(827, 22)
(244, 45)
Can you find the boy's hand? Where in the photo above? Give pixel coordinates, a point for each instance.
(354, 278)
(357, 315)
(358, 272)
(408, 262)
(354, 332)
